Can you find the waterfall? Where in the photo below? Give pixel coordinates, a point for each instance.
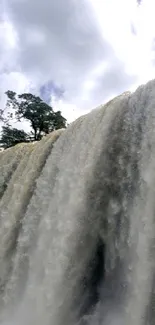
(77, 220)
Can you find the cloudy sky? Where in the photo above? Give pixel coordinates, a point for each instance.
(80, 53)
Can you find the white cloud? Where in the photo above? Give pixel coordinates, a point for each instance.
(94, 49)
(130, 30)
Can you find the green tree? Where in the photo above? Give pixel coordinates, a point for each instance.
(3, 118)
(12, 136)
(41, 116)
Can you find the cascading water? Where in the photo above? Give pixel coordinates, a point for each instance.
(77, 220)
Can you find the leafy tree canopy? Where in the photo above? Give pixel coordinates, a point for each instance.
(11, 136)
(33, 109)
(41, 116)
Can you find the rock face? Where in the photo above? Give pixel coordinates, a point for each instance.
(77, 220)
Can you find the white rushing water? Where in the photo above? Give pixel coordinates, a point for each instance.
(77, 220)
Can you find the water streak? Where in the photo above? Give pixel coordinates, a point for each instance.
(77, 220)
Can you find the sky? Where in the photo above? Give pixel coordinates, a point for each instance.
(76, 54)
